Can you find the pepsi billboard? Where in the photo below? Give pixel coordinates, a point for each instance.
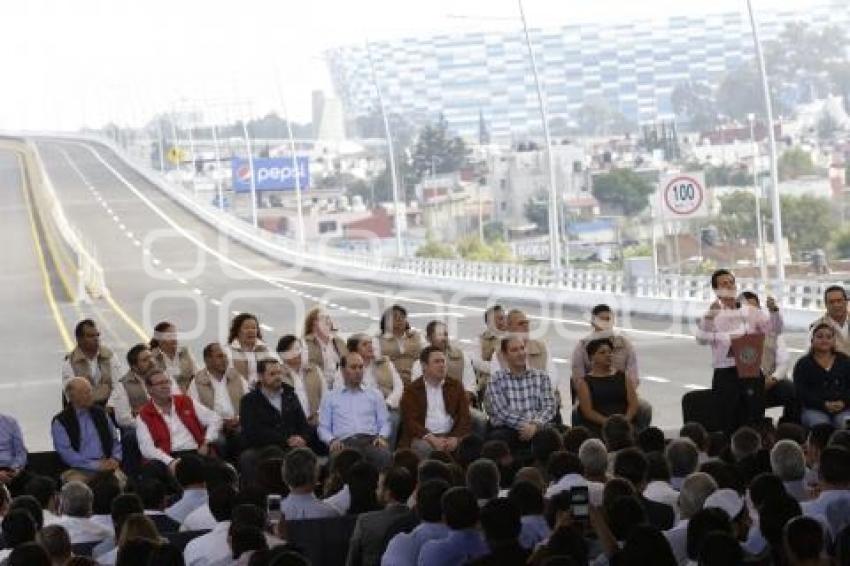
(270, 174)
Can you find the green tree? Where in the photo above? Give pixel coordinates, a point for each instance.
(738, 216)
(494, 231)
(623, 189)
(435, 250)
(795, 163)
(694, 103)
(473, 249)
(841, 243)
(436, 150)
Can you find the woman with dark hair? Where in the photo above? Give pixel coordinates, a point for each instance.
(822, 381)
(246, 345)
(170, 356)
(604, 391)
(398, 341)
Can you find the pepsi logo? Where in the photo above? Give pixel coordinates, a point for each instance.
(243, 173)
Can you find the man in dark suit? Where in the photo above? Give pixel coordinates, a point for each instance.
(631, 464)
(373, 530)
(434, 409)
(271, 414)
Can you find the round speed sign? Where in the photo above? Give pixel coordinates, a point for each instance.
(683, 195)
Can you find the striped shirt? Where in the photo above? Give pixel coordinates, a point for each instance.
(513, 400)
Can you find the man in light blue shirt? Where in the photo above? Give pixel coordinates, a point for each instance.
(834, 498)
(13, 456)
(464, 541)
(84, 436)
(354, 416)
(404, 548)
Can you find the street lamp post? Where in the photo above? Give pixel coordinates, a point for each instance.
(774, 165)
(757, 195)
(393, 174)
(554, 204)
(253, 176)
(295, 166)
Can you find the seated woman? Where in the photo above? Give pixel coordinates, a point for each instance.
(822, 381)
(603, 392)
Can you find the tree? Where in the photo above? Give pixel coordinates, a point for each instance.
(624, 189)
(435, 250)
(841, 243)
(473, 249)
(494, 232)
(795, 163)
(738, 216)
(437, 151)
(537, 211)
(694, 103)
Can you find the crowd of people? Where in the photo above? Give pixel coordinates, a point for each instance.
(402, 448)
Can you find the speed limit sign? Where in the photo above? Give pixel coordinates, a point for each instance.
(683, 196)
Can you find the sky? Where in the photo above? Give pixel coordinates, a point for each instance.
(67, 64)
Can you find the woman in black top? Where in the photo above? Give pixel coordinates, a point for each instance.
(822, 381)
(603, 391)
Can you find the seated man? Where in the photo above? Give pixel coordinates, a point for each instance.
(623, 359)
(300, 473)
(220, 388)
(170, 425)
(464, 541)
(435, 408)
(271, 412)
(519, 399)
(91, 360)
(75, 514)
(13, 456)
(83, 435)
(355, 416)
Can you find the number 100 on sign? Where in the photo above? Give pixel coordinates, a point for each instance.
(683, 197)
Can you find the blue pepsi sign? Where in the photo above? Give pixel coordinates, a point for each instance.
(270, 174)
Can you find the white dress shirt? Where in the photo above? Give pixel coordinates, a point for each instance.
(222, 404)
(437, 420)
(468, 377)
(83, 529)
(200, 519)
(192, 499)
(181, 438)
(120, 403)
(209, 548)
(392, 399)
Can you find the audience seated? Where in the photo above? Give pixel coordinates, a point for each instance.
(463, 542)
(500, 521)
(190, 475)
(75, 512)
(300, 472)
(404, 548)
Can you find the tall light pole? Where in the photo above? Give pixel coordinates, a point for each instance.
(390, 149)
(253, 176)
(295, 166)
(774, 165)
(757, 195)
(554, 201)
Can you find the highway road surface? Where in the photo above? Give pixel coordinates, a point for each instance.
(160, 262)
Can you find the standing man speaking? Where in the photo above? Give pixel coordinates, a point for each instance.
(738, 398)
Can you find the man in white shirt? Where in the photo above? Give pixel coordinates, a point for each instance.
(93, 361)
(834, 484)
(75, 511)
(211, 547)
(190, 475)
(220, 388)
(170, 425)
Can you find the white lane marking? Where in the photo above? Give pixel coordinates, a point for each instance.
(169, 271)
(694, 386)
(267, 328)
(654, 379)
(137, 243)
(435, 315)
(122, 227)
(155, 261)
(197, 291)
(465, 341)
(235, 313)
(182, 280)
(561, 360)
(216, 302)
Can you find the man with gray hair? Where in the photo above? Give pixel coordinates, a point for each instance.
(594, 460)
(300, 472)
(789, 464)
(75, 511)
(695, 490)
(682, 456)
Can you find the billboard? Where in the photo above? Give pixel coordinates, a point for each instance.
(270, 174)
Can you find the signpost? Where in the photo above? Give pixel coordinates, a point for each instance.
(680, 196)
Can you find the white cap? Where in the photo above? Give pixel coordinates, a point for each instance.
(726, 499)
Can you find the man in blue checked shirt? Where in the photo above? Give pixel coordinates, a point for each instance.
(354, 416)
(520, 400)
(13, 456)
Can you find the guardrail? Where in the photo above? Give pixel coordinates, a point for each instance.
(674, 296)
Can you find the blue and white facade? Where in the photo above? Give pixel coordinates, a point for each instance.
(633, 67)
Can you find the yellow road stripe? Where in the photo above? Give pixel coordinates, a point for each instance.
(45, 278)
(126, 317)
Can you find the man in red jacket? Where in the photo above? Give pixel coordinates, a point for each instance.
(172, 425)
